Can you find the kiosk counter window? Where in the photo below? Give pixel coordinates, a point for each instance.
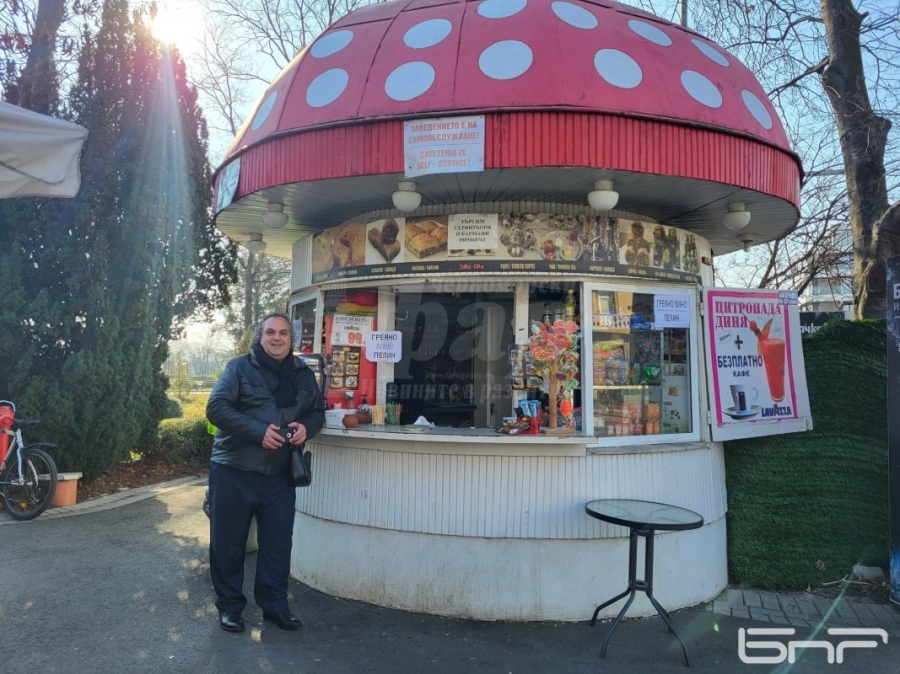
(640, 362)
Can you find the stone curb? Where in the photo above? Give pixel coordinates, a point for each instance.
(802, 609)
(113, 500)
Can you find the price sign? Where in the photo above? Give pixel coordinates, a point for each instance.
(350, 330)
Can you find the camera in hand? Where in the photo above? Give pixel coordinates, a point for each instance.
(286, 434)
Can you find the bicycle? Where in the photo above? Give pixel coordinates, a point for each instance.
(27, 474)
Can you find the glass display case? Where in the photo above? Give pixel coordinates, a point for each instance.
(640, 370)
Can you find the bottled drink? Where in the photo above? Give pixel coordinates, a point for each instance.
(545, 318)
(570, 305)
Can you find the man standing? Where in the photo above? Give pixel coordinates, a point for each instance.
(258, 395)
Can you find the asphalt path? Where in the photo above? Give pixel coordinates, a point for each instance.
(127, 590)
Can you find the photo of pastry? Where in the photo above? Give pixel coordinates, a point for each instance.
(351, 369)
(353, 357)
(337, 382)
(350, 245)
(383, 238)
(425, 238)
(337, 247)
(351, 382)
(322, 252)
(338, 356)
(337, 369)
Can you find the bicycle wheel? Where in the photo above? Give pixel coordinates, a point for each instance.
(28, 494)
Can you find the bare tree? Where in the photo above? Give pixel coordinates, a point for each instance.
(832, 72)
(863, 136)
(247, 43)
(38, 48)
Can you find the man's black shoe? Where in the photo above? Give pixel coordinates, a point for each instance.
(285, 620)
(231, 621)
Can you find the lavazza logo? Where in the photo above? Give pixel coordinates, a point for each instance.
(834, 651)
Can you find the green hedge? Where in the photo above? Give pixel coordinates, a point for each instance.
(185, 440)
(805, 507)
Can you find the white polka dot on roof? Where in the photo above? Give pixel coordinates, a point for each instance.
(618, 68)
(331, 43)
(574, 15)
(757, 109)
(427, 34)
(327, 87)
(711, 53)
(264, 110)
(409, 81)
(701, 89)
(505, 60)
(650, 32)
(500, 9)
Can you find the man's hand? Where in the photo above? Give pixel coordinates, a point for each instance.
(272, 440)
(299, 433)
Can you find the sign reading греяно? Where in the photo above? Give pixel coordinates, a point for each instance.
(384, 347)
(443, 145)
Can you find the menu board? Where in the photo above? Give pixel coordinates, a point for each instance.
(345, 368)
(507, 242)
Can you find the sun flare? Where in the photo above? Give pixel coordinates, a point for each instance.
(179, 25)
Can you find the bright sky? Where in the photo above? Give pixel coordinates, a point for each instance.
(179, 23)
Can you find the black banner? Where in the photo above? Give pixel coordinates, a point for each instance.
(893, 401)
(512, 243)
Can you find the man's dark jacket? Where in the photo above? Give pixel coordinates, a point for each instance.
(242, 405)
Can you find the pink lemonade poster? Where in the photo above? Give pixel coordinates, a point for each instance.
(756, 366)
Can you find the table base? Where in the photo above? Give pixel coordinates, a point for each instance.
(645, 586)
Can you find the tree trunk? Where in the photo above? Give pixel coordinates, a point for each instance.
(36, 88)
(863, 136)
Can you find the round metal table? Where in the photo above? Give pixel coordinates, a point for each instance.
(643, 519)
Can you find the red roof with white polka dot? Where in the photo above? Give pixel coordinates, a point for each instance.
(416, 58)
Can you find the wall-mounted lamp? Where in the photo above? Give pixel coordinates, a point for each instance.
(275, 217)
(736, 218)
(255, 244)
(604, 197)
(746, 240)
(406, 198)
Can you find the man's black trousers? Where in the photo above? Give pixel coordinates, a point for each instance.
(235, 496)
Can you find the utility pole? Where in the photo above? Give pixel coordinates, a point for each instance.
(684, 13)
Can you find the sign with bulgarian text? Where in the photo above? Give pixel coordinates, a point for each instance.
(757, 377)
(349, 330)
(893, 399)
(443, 145)
(384, 347)
(672, 311)
(515, 243)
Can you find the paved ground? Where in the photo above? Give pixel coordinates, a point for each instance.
(121, 585)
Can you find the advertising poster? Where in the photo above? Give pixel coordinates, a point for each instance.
(506, 242)
(893, 391)
(755, 363)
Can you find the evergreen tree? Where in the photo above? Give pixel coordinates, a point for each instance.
(105, 280)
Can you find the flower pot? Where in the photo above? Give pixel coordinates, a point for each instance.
(66, 493)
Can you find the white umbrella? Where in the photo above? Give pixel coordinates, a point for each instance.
(39, 155)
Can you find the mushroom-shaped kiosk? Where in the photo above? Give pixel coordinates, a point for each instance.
(491, 207)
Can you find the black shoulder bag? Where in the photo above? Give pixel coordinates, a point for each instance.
(301, 466)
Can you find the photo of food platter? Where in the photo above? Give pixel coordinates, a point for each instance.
(562, 245)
